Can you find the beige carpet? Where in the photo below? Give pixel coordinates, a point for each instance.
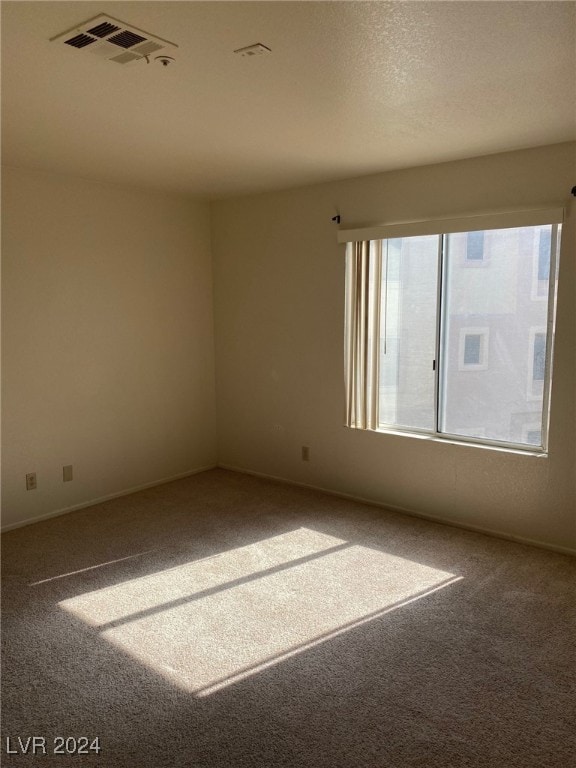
(227, 621)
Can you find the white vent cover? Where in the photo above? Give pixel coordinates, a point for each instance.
(112, 39)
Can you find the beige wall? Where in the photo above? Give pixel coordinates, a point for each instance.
(107, 341)
(279, 278)
(108, 344)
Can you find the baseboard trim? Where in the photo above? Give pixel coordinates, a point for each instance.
(406, 511)
(109, 497)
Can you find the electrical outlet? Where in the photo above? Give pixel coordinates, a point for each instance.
(31, 481)
(305, 453)
(67, 473)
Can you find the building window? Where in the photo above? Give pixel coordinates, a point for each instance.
(435, 348)
(473, 349)
(539, 357)
(541, 269)
(475, 246)
(543, 254)
(536, 359)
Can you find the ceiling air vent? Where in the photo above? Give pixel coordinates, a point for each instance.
(253, 50)
(114, 40)
(101, 30)
(80, 41)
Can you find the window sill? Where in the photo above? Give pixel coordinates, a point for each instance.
(519, 450)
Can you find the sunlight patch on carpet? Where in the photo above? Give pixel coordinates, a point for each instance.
(157, 589)
(209, 623)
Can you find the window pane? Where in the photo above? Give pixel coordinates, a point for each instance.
(499, 397)
(475, 246)
(408, 332)
(472, 349)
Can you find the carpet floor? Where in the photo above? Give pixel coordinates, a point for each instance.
(226, 621)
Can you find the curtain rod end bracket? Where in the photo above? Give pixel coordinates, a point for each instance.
(337, 218)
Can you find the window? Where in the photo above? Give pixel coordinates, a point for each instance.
(539, 357)
(435, 348)
(472, 343)
(473, 346)
(534, 436)
(475, 246)
(536, 355)
(541, 269)
(543, 255)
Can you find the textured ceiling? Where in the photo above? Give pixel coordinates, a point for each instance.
(350, 88)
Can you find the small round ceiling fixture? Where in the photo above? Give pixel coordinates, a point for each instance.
(164, 60)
